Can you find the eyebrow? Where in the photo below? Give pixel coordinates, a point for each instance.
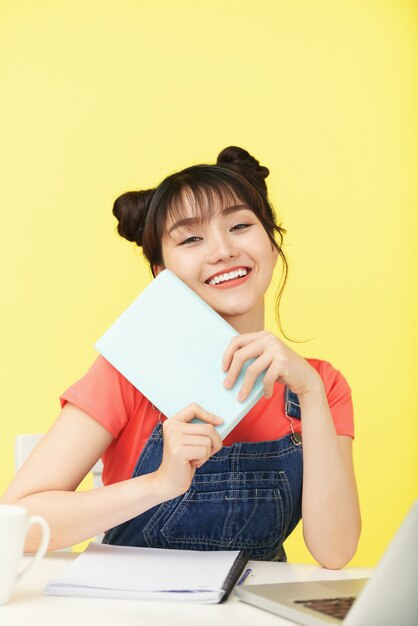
(191, 221)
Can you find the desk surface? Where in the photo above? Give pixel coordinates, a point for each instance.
(28, 605)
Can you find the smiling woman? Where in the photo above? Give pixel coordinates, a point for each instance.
(227, 260)
(176, 484)
(172, 213)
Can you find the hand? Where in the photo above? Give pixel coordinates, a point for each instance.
(271, 354)
(186, 447)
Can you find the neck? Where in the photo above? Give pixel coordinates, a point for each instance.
(247, 323)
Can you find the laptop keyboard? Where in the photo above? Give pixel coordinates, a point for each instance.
(334, 607)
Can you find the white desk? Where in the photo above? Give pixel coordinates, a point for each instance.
(29, 607)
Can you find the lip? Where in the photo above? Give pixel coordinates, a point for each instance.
(227, 270)
(234, 282)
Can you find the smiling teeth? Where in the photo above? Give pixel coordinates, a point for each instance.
(221, 278)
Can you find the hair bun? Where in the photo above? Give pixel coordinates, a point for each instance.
(130, 209)
(244, 163)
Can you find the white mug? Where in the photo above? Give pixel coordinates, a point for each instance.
(14, 525)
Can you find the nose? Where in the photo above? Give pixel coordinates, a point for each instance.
(221, 247)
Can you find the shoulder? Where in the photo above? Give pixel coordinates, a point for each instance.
(335, 383)
(338, 393)
(330, 375)
(105, 394)
(103, 370)
(103, 377)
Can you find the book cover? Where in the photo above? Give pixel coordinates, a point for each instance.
(169, 344)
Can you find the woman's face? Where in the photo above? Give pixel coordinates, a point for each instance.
(227, 260)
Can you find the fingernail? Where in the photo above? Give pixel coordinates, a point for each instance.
(241, 395)
(218, 419)
(227, 383)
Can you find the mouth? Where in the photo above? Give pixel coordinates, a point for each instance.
(230, 277)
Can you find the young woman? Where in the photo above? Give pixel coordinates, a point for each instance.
(174, 484)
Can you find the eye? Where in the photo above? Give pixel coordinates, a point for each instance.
(240, 226)
(192, 239)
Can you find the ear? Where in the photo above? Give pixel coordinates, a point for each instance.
(157, 269)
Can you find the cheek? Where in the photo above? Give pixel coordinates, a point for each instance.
(269, 260)
(168, 254)
(267, 252)
(180, 264)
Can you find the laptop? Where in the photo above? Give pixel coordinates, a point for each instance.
(388, 598)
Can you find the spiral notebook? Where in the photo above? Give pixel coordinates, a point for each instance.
(124, 572)
(169, 344)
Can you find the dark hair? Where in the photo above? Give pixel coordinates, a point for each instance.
(142, 215)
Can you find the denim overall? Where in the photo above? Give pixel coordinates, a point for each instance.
(245, 497)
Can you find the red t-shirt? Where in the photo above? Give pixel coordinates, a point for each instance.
(130, 417)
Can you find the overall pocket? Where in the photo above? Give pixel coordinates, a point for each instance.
(226, 511)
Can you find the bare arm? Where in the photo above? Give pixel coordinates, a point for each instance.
(330, 508)
(46, 483)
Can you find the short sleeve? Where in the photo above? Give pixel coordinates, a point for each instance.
(105, 395)
(339, 396)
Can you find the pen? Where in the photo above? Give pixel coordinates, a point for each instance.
(244, 576)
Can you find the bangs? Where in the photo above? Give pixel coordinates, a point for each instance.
(201, 202)
(201, 192)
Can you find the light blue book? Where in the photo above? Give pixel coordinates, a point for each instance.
(169, 344)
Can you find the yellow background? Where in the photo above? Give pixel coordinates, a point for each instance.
(98, 97)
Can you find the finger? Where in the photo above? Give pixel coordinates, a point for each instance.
(196, 463)
(196, 453)
(177, 451)
(272, 376)
(195, 410)
(251, 374)
(251, 351)
(206, 433)
(197, 440)
(216, 442)
(198, 428)
(184, 432)
(235, 344)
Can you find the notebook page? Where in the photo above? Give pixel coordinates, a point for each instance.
(124, 568)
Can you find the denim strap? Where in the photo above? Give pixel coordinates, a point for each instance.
(291, 404)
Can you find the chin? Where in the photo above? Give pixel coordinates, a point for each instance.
(233, 312)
